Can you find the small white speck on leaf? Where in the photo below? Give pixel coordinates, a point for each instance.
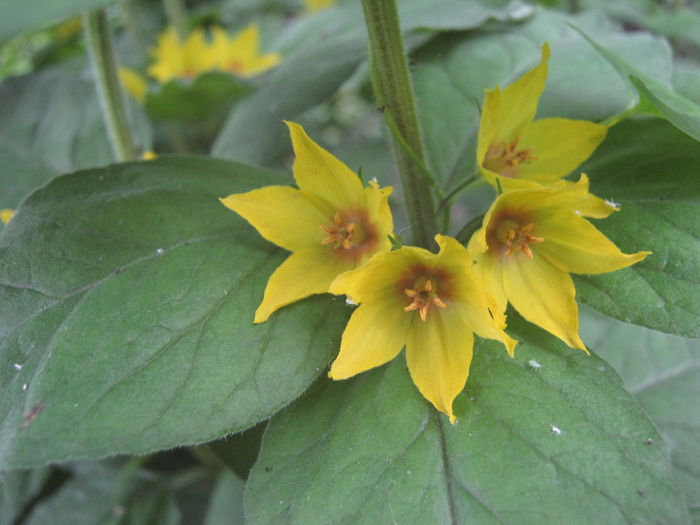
(350, 302)
(534, 364)
(159, 251)
(556, 431)
(17, 366)
(24, 387)
(612, 203)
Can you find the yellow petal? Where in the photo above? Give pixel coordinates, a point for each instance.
(304, 273)
(574, 245)
(374, 335)
(197, 54)
(317, 171)
(282, 215)
(439, 352)
(134, 84)
(377, 206)
(481, 312)
(6, 215)
(378, 276)
(518, 101)
(487, 124)
(544, 295)
(560, 145)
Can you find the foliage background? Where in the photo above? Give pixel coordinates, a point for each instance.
(135, 389)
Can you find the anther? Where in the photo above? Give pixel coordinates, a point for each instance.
(423, 298)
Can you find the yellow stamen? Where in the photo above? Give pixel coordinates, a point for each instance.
(423, 298)
(504, 158)
(513, 236)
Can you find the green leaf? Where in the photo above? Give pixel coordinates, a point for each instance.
(321, 52)
(127, 297)
(548, 437)
(17, 489)
(650, 169)
(686, 80)
(51, 123)
(208, 95)
(452, 73)
(102, 494)
(653, 97)
(16, 16)
(663, 373)
(226, 504)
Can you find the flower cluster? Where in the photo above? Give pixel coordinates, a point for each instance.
(174, 58)
(533, 236)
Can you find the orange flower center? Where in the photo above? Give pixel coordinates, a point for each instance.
(509, 235)
(504, 158)
(425, 288)
(424, 298)
(351, 235)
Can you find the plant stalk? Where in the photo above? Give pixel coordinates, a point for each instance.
(394, 92)
(104, 67)
(177, 16)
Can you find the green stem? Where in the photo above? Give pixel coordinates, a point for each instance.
(177, 16)
(394, 92)
(468, 229)
(447, 199)
(109, 90)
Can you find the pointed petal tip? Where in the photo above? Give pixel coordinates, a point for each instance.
(545, 51)
(261, 316)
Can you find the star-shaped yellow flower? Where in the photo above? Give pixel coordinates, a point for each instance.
(240, 54)
(331, 224)
(511, 148)
(176, 59)
(431, 303)
(532, 238)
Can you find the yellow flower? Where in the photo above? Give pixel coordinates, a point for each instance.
(514, 150)
(311, 6)
(134, 84)
(331, 224)
(431, 303)
(175, 59)
(240, 54)
(149, 154)
(532, 238)
(6, 215)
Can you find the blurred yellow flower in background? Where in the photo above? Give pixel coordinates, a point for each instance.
(134, 84)
(6, 215)
(176, 59)
(311, 6)
(240, 54)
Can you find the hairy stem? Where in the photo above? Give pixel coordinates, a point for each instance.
(109, 90)
(394, 92)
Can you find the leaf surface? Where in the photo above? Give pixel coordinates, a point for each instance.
(548, 437)
(650, 169)
(126, 301)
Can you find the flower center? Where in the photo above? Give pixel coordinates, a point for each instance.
(512, 237)
(352, 236)
(504, 158)
(424, 296)
(344, 232)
